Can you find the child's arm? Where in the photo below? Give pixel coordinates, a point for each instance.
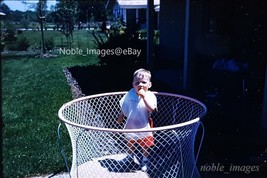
(150, 106)
(120, 118)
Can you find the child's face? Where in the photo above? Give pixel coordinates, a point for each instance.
(141, 83)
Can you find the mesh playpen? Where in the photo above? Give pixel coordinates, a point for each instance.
(98, 142)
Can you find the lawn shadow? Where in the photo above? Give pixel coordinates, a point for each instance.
(101, 79)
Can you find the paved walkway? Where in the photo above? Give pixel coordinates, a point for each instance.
(59, 175)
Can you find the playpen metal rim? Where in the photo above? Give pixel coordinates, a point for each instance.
(132, 130)
(61, 117)
(124, 92)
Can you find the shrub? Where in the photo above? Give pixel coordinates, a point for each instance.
(120, 37)
(10, 35)
(49, 44)
(118, 27)
(23, 44)
(2, 46)
(124, 42)
(11, 47)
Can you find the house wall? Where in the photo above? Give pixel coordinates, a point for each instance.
(131, 18)
(134, 15)
(136, 18)
(264, 106)
(117, 12)
(171, 26)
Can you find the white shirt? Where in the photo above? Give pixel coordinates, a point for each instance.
(136, 112)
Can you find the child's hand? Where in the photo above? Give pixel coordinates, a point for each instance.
(141, 93)
(120, 118)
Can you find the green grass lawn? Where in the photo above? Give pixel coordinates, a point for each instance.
(81, 38)
(33, 90)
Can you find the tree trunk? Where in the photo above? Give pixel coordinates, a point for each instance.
(42, 33)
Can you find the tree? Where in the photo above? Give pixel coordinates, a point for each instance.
(95, 8)
(40, 9)
(65, 18)
(4, 8)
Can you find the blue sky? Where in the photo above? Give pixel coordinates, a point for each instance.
(19, 5)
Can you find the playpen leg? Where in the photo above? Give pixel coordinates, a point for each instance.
(198, 151)
(62, 149)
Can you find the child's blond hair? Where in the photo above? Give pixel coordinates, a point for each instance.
(140, 73)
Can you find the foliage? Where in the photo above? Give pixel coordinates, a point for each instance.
(93, 9)
(4, 8)
(116, 39)
(11, 47)
(118, 27)
(41, 8)
(40, 12)
(34, 38)
(25, 23)
(143, 35)
(23, 44)
(49, 44)
(17, 16)
(53, 40)
(2, 46)
(10, 35)
(65, 17)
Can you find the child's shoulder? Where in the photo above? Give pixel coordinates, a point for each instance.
(151, 94)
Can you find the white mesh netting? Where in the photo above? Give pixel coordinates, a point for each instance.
(100, 149)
